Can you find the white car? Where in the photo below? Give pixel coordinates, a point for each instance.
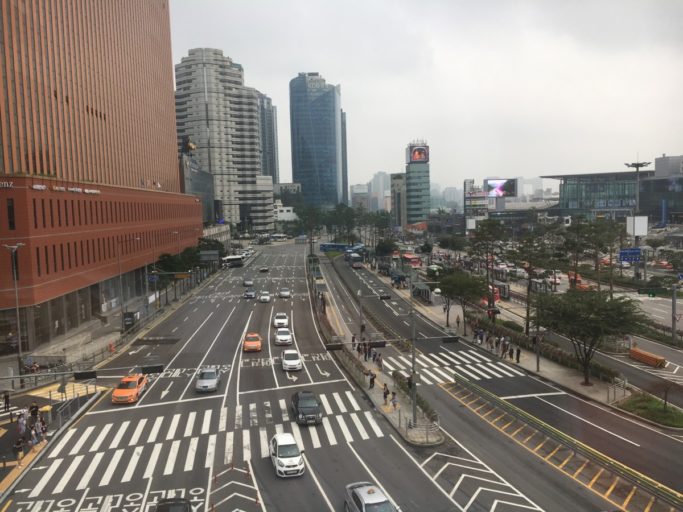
(285, 293)
(281, 320)
(286, 456)
(283, 336)
(291, 360)
(264, 297)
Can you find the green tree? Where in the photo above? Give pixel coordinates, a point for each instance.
(575, 244)
(587, 318)
(486, 244)
(385, 248)
(463, 287)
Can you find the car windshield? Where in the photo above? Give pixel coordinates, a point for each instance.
(207, 374)
(288, 450)
(308, 402)
(283, 332)
(252, 338)
(280, 316)
(385, 506)
(291, 356)
(128, 384)
(285, 290)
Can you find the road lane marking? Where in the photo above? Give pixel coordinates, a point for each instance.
(206, 423)
(477, 356)
(263, 436)
(314, 436)
(253, 415)
(189, 425)
(229, 439)
(431, 376)
(246, 450)
(340, 404)
(238, 416)
(326, 405)
(113, 464)
(501, 368)
(84, 437)
(283, 410)
(132, 464)
(191, 453)
(85, 479)
(317, 483)
(359, 426)
(155, 429)
(376, 480)
(46, 478)
(533, 395)
(352, 399)
(138, 432)
(329, 432)
(62, 443)
(345, 429)
(174, 425)
(68, 474)
(119, 435)
(223, 419)
(279, 429)
(210, 450)
(442, 373)
(437, 358)
(297, 434)
(373, 424)
(172, 455)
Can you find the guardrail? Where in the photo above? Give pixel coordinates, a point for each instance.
(649, 485)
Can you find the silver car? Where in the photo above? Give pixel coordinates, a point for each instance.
(291, 360)
(264, 297)
(364, 497)
(208, 379)
(285, 293)
(283, 336)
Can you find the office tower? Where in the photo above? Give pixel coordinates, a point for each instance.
(379, 186)
(88, 161)
(222, 117)
(269, 156)
(398, 201)
(345, 170)
(360, 196)
(317, 139)
(417, 182)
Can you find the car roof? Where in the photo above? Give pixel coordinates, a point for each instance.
(305, 393)
(280, 314)
(283, 329)
(290, 351)
(284, 438)
(134, 376)
(368, 492)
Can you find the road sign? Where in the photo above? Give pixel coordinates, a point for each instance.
(152, 278)
(680, 277)
(631, 255)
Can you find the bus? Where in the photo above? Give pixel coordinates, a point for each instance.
(233, 261)
(333, 247)
(278, 237)
(356, 260)
(412, 259)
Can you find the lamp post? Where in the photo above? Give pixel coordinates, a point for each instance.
(637, 166)
(15, 277)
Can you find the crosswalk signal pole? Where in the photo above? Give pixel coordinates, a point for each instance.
(413, 388)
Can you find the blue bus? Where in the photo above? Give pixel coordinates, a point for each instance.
(331, 246)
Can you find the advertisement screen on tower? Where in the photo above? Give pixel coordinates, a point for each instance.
(418, 154)
(500, 188)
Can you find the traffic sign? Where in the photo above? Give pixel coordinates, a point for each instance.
(631, 255)
(152, 278)
(680, 277)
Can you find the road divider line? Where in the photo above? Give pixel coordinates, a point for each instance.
(46, 478)
(317, 483)
(85, 479)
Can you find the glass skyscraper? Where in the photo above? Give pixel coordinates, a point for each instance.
(317, 140)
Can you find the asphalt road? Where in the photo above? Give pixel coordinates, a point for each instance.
(649, 450)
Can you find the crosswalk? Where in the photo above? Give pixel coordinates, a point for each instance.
(441, 367)
(130, 450)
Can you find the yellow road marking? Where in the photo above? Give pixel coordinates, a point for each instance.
(9, 502)
(517, 431)
(553, 452)
(576, 473)
(628, 498)
(499, 417)
(541, 444)
(508, 424)
(595, 478)
(533, 433)
(569, 457)
(611, 488)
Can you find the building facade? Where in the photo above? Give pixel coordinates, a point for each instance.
(197, 182)
(360, 197)
(269, 156)
(89, 179)
(398, 201)
(418, 198)
(223, 118)
(379, 188)
(317, 140)
(345, 162)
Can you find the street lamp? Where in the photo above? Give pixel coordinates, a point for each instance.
(15, 276)
(637, 166)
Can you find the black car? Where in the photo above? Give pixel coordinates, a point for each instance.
(306, 408)
(174, 505)
(383, 294)
(250, 294)
(263, 269)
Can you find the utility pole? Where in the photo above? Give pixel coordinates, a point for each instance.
(15, 277)
(637, 166)
(674, 319)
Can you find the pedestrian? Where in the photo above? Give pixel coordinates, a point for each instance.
(18, 449)
(394, 400)
(457, 321)
(379, 362)
(410, 382)
(497, 344)
(33, 410)
(445, 308)
(34, 435)
(372, 379)
(43, 428)
(21, 425)
(353, 342)
(386, 392)
(518, 353)
(5, 396)
(511, 352)
(367, 350)
(374, 355)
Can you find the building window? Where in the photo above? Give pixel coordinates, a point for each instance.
(38, 261)
(68, 253)
(73, 213)
(61, 254)
(82, 254)
(10, 214)
(47, 261)
(52, 215)
(35, 215)
(59, 213)
(42, 208)
(54, 258)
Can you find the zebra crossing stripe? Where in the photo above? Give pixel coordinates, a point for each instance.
(454, 372)
(190, 424)
(268, 413)
(511, 369)
(450, 358)
(314, 437)
(387, 365)
(480, 372)
(191, 452)
(406, 361)
(206, 424)
(263, 434)
(172, 455)
(345, 429)
(420, 361)
(81, 440)
(438, 359)
(351, 399)
(223, 420)
(393, 361)
(425, 379)
(113, 463)
(227, 458)
(373, 424)
(466, 372)
(238, 417)
(359, 426)
(326, 405)
(152, 461)
(431, 375)
(46, 478)
(85, 479)
(490, 370)
(119, 435)
(132, 464)
(62, 443)
(329, 432)
(297, 434)
(279, 429)
(253, 415)
(138, 432)
(210, 450)
(340, 403)
(155, 430)
(477, 355)
(246, 450)
(442, 373)
(283, 410)
(466, 354)
(174, 425)
(68, 474)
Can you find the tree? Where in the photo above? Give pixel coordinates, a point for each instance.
(486, 243)
(385, 248)
(587, 318)
(462, 286)
(575, 245)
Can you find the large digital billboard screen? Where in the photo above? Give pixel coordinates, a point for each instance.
(418, 154)
(500, 188)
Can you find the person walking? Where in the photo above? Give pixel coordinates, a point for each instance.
(379, 362)
(386, 392)
(518, 353)
(18, 449)
(372, 379)
(457, 322)
(410, 382)
(353, 342)
(5, 396)
(33, 410)
(394, 400)
(511, 352)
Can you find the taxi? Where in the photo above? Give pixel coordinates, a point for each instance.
(252, 342)
(130, 389)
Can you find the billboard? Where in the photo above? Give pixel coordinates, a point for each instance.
(418, 153)
(500, 188)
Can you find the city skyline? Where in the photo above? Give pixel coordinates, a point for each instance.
(498, 90)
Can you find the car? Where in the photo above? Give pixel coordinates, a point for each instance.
(264, 296)
(286, 456)
(365, 497)
(283, 336)
(291, 360)
(208, 379)
(248, 283)
(173, 505)
(252, 342)
(263, 269)
(383, 294)
(624, 264)
(280, 320)
(250, 294)
(306, 408)
(130, 389)
(284, 293)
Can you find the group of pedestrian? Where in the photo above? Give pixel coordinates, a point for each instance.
(31, 428)
(394, 398)
(501, 346)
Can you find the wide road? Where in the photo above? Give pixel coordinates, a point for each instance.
(649, 450)
(213, 448)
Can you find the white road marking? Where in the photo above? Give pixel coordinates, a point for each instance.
(359, 426)
(345, 429)
(46, 478)
(246, 449)
(340, 403)
(191, 453)
(263, 436)
(329, 432)
(314, 436)
(326, 405)
(62, 443)
(84, 437)
(155, 429)
(238, 417)
(223, 420)
(119, 435)
(317, 483)
(206, 424)
(442, 373)
(68, 474)
(351, 399)
(85, 479)
(152, 464)
(174, 425)
(138, 432)
(283, 410)
(297, 434)
(374, 477)
(373, 424)
(253, 415)
(210, 451)
(132, 464)
(113, 464)
(189, 425)
(172, 455)
(229, 439)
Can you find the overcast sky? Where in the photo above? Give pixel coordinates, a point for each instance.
(497, 88)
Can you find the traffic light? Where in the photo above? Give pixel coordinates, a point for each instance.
(87, 375)
(377, 344)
